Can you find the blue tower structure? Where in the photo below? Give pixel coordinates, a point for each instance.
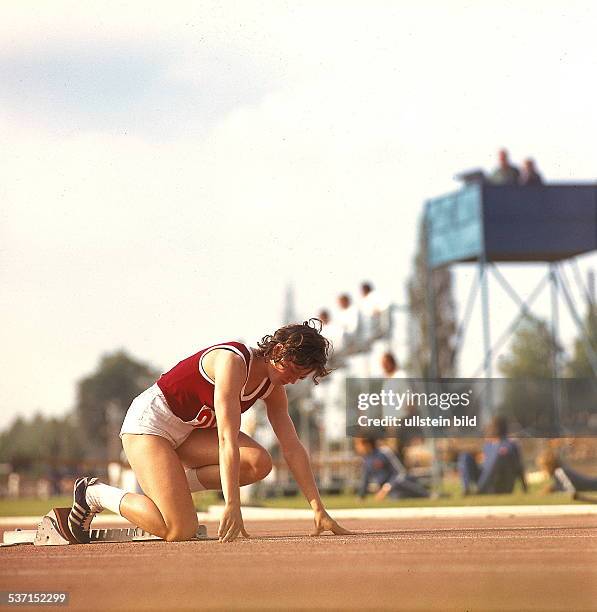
(492, 223)
(510, 223)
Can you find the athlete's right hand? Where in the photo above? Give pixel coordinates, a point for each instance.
(231, 524)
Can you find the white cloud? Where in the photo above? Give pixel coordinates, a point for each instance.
(161, 244)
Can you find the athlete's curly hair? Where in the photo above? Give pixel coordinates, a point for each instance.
(300, 343)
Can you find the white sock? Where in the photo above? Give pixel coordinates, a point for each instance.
(101, 496)
(194, 484)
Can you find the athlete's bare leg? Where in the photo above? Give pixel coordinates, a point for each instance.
(166, 509)
(201, 451)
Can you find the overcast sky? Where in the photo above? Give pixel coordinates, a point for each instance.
(168, 168)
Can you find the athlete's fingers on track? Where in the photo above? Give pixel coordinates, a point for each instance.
(225, 527)
(244, 532)
(331, 526)
(225, 537)
(339, 530)
(231, 534)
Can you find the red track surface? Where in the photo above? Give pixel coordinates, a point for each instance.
(547, 563)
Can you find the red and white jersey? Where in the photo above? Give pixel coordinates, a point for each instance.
(189, 391)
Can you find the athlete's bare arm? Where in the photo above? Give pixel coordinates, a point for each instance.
(298, 460)
(229, 373)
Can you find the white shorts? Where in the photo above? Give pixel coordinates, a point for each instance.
(149, 413)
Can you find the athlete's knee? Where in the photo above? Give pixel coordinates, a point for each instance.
(261, 465)
(181, 531)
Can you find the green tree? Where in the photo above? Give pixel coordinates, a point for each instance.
(36, 444)
(107, 393)
(420, 347)
(579, 365)
(528, 397)
(16, 447)
(530, 351)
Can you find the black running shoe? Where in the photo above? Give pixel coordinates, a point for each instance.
(80, 515)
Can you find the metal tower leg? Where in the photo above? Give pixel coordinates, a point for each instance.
(483, 279)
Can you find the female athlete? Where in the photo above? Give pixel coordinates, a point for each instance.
(183, 435)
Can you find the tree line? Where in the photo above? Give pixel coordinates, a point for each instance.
(41, 443)
(103, 397)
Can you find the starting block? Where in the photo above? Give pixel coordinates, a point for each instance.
(53, 530)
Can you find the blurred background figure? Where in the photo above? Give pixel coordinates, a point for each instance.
(500, 466)
(347, 317)
(330, 330)
(505, 173)
(324, 316)
(374, 310)
(382, 468)
(14, 485)
(390, 366)
(563, 477)
(408, 435)
(529, 174)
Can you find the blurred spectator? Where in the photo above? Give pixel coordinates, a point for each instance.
(563, 477)
(382, 467)
(14, 484)
(324, 316)
(43, 488)
(505, 173)
(390, 366)
(348, 321)
(529, 174)
(501, 464)
(374, 313)
(409, 435)
(329, 329)
(54, 477)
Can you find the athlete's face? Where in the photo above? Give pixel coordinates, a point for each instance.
(286, 372)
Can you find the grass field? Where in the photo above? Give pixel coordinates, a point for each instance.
(453, 497)
(352, 501)
(38, 507)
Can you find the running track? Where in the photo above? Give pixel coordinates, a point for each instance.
(509, 563)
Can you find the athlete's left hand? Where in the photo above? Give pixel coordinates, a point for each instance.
(324, 522)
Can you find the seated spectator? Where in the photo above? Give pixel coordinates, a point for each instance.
(563, 477)
(529, 174)
(505, 173)
(409, 435)
(501, 465)
(381, 466)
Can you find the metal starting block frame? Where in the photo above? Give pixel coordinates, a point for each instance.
(53, 530)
